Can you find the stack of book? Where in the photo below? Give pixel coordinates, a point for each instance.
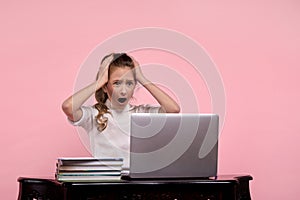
(88, 169)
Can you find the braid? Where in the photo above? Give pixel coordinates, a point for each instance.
(101, 97)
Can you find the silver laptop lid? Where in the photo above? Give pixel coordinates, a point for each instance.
(173, 145)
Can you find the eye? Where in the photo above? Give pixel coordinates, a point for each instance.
(117, 83)
(129, 83)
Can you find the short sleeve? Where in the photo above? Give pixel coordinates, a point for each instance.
(87, 119)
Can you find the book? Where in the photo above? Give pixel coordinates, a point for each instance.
(87, 178)
(116, 173)
(89, 161)
(88, 169)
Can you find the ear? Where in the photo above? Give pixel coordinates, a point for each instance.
(104, 87)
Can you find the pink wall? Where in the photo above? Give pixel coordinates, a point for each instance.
(253, 44)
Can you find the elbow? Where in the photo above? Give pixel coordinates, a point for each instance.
(67, 107)
(176, 109)
(173, 109)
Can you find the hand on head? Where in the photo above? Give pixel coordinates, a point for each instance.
(103, 69)
(138, 71)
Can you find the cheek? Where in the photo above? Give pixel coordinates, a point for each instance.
(110, 90)
(130, 91)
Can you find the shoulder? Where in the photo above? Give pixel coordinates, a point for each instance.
(88, 113)
(89, 110)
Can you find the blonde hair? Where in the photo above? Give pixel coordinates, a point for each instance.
(119, 60)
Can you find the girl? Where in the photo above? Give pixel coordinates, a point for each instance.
(107, 122)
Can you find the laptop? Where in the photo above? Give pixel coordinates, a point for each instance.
(173, 146)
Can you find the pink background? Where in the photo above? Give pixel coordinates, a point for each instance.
(255, 45)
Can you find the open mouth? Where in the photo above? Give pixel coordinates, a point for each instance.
(122, 100)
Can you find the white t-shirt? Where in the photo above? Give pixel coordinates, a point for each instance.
(114, 140)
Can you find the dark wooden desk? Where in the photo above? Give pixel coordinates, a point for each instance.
(226, 187)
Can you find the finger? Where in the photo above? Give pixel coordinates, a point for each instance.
(135, 62)
(108, 60)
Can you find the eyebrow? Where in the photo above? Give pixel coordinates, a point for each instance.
(113, 80)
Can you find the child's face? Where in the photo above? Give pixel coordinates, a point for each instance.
(120, 86)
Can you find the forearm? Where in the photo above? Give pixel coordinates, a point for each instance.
(78, 99)
(71, 106)
(167, 103)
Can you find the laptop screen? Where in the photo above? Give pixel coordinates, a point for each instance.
(173, 145)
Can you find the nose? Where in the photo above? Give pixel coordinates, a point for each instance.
(123, 90)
